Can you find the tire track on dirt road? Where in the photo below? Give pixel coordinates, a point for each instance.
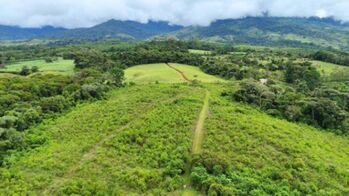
(184, 77)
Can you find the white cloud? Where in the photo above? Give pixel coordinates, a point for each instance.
(84, 13)
(321, 13)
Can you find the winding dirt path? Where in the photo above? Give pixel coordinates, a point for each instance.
(198, 132)
(184, 77)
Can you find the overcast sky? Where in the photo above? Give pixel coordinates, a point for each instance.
(85, 13)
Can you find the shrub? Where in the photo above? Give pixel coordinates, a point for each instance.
(24, 71)
(54, 104)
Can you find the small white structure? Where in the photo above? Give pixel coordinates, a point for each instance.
(263, 81)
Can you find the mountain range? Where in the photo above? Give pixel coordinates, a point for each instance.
(279, 31)
(19, 33)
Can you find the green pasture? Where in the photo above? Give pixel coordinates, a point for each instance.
(60, 66)
(151, 73)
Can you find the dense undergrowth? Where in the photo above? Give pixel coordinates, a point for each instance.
(136, 141)
(246, 152)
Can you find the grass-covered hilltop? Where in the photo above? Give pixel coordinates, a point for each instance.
(170, 117)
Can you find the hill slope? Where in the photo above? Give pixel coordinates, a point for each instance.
(139, 141)
(305, 32)
(159, 139)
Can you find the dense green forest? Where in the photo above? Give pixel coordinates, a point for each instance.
(268, 120)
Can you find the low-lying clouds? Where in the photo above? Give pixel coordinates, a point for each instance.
(85, 13)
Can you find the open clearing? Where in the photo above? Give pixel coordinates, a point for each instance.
(202, 52)
(60, 66)
(194, 73)
(326, 69)
(151, 73)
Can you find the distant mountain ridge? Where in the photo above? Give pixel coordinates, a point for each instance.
(19, 33)
(125, 30)
(278, 31)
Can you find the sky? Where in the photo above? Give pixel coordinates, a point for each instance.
(86, 13)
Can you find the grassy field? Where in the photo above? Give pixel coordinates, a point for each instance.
(328, 68)
(7, 75)
(194, 73)
(57, 67)
(145, 74)
(202, 52)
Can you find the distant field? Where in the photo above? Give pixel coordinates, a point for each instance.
(199, 51)
(61, 66)
(162, 73)
(194, 73)
(326, 69)
(151, 73)
(7, 75)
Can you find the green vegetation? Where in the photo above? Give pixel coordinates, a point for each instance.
(26, 101)
(205, 52)
(152, 73)
(137, 141)
(194, 73)
(272, 31)
(243, 152)
(246, 152)
(65, 67)
(240, 120)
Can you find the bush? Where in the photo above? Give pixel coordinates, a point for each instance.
(24, 71)
(54, 104)
(92, 91)
(34, 69)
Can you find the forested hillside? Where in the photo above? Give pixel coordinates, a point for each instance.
(268, 31)
(296, 32)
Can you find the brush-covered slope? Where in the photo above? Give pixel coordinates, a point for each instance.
(125, 30)
(281, 31)
(247, 152)
(138, 142)
(135, 142)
